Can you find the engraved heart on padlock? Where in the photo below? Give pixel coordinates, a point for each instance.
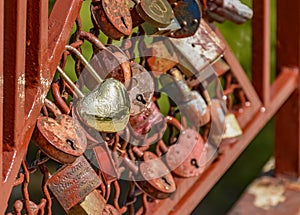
(107, 108)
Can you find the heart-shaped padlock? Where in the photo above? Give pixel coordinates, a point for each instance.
(62, 138)
(112, 17)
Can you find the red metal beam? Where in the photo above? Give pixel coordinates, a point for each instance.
(61, 21)
(287, 130)
(261, 49)
(191, 191)
(241, 77)
(1, 85)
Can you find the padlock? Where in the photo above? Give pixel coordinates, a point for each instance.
(93, 203)
(152, 176)
(187, 157)
(156, 12)
(107, 108)
(192, 55)
(188, 13)
(232, 128)
(62, 138)
(190, 103)
(72, 183)
(112, 17)
(232, 10)
(146, 127)
(140, 88)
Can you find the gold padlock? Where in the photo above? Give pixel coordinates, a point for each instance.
(232, 127)
(93, 204)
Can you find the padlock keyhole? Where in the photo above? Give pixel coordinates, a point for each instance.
(140, 98)
(124, 22)
(71, 143)
(194, 163)
(166, 181)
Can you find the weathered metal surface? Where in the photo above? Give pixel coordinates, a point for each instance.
(183, 161)
(287, 140)
(106, 163)
(93, 203)
(188, 13)
(155, 187)
(140, 90)
(71, 184)
(157, 12)
(110, 210)
(261, 40)
(112, 17)
(1, 91)
(62, 138)
(199, 50)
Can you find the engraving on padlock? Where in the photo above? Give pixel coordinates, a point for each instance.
(152, 176)
(156, 12)
(141, 88)
(187, 157)
(112, 17)
(106, 108)
(72, 183)
(188, 14)
(62, 138)
(93, 203)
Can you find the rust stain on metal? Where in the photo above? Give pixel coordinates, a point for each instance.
(112, 17)
(61, 139)
(71, 184)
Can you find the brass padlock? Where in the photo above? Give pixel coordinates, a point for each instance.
(152, 176)
(72, 183)
(112, 17)
(188, 13)
(156, 12)
(62, 138)
(93, 204)
(232, 127)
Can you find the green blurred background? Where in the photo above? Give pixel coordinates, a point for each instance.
(248, 166)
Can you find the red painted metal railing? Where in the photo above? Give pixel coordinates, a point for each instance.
(31, 45)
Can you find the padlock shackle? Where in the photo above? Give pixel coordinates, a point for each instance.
(174, 122)
(70, 82)
(87, 65)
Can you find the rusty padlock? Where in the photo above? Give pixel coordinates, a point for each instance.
(62, 138)
(110, 210)
(187, 157)
(140, 88)
(156, 12)
(188, 13)
(190, 103)
(112, 17)
(152, 176)
(93, 203)
(72, 183)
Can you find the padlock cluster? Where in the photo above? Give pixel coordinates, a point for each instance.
(140, 114)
